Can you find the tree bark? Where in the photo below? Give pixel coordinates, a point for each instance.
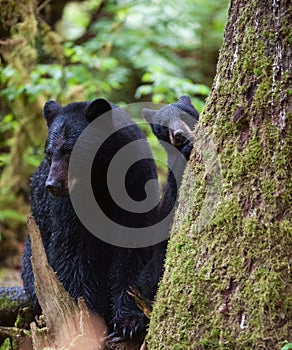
(227, 281)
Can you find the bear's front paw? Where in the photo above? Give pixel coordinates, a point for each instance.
(186, 149)
(128, 329)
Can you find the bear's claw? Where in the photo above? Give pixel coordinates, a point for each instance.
(132, 329)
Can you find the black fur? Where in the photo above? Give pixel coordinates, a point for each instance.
(99, 272)
(172, 124)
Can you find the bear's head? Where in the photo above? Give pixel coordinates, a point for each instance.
(65, 125)
(173, 123)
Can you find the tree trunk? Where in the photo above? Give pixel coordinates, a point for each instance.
(227, 281)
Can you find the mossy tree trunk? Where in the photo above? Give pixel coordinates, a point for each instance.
(227, 285)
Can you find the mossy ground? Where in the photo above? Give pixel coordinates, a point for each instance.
(228, 286)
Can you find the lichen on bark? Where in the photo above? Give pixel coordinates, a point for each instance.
(228, 286)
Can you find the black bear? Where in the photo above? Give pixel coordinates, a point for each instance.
(86, 265)
(172, 125)
(99, 272)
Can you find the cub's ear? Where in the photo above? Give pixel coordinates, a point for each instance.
(97, 108)
(185, 99)
(148, 114)
(50, 111)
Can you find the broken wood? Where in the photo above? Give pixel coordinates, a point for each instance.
(68, 324)
(144, 304)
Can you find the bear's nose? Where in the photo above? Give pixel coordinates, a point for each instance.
(53, 186)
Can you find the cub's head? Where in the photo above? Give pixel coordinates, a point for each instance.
(174, 123)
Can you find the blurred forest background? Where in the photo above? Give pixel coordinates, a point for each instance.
(123, 50)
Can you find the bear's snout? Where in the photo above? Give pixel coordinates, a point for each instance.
(57, 180)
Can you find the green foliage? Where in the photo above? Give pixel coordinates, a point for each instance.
(135, 51)
(122, 50)
(7, 125)
(6, 345)
(148, 50)
(287, 346)
(11, 214)
(139, 50)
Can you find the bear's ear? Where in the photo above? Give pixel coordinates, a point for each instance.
(185, 99)
(97, 108)
(148, 114)
(50, 111)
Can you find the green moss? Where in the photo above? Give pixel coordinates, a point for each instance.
(6, 345)
(6, 302)
(20, 320)
(227, 286)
